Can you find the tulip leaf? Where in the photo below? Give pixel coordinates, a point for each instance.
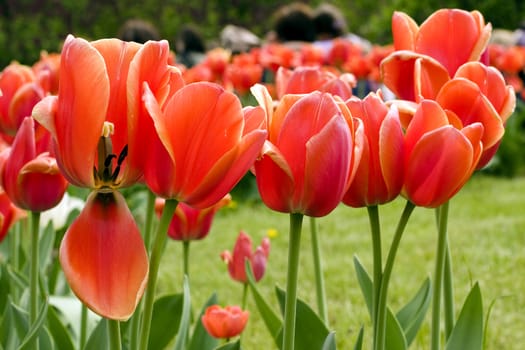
(182, 334)
(58, 330)
(394, 332)
(45, 245)
(359, 341)
(365, 282)
(167, 311)
(201, 339)
(467, 333)
(270, 317)
(310, 330)
(412, 315)
(99, 337)
(34, 331)
(329, 342)
(231, 346)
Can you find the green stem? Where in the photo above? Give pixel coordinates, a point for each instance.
(318, 268)
(14, 255)
(448, 294)
(383, 293)
(441, 253)
(83, 325)
(33, 288)
(375, 230)
(115, 342)
(150, 212)
(186, 257)
(244, 295)
(290, 307)
(154, 264)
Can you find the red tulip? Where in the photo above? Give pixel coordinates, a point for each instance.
(20, 91)
(379, 176)
(242, 252)
(31, 179)
(189, 223)
(104, 258)
(96, 118)
(224, 323)
(440, 155)
(311, 154)
(9, 214)
(207, 143)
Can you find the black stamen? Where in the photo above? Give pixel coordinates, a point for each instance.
(123, 154)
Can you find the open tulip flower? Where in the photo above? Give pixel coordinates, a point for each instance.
(97, 123)
(311, 154)
(243, 252)
(207, 143)
(31, 178)
(379, 176)
(440, 155)
(224, 323)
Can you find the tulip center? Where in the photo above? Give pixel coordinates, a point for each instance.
(105, 175)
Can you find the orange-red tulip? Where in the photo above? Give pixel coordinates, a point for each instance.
(31, 179)
(104, 258)
(21, 90)
(189, 223)
(101, 85)
(242, 252)
(207, 143)
(440, 155)
(9, 214)
(311, 153)
(379, 176)
(224, 323)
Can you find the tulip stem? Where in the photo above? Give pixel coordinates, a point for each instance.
(448, 294)
(375, 229)
(318, 268)
(150, 211)
(382, 305)
(83, 326)
(115, 343)
(290, 308)
(441, 253)
(244, 295)
(154, 264)
(33, 291)
(186, 257)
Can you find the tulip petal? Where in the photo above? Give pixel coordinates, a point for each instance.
(404, 31)
(104, 258)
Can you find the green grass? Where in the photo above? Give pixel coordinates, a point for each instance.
(487, 239)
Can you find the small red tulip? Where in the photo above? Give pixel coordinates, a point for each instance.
(224, 323)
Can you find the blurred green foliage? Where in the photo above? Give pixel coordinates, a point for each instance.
(29, 26)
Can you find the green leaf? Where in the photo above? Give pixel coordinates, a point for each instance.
(59, 331)
(99, 337)
(365, 282)
(272, 321)
(231, 346)
(467, 333)
(167, 311)
(412, 315)
(200, 339)
(310, 330)
(182, 336)
(8, 338)
(394, 333)
(359, 341)
(329, 342)
(33, 332)
(45, 245)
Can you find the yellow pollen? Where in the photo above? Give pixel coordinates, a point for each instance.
(108, 129)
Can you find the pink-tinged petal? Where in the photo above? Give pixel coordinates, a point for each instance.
(274, 179)
(42, 184)
(439, 165)
(259, 260)
(439, 38)
(104, 258)
(254, 118)
(391, 154)
(81, 110)
(261, 94)
(404, 31)
(326, 169)
(465, 99)
(21, 106)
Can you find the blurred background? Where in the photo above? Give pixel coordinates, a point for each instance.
(29, 26)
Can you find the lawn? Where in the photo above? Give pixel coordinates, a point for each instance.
(487, 240)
